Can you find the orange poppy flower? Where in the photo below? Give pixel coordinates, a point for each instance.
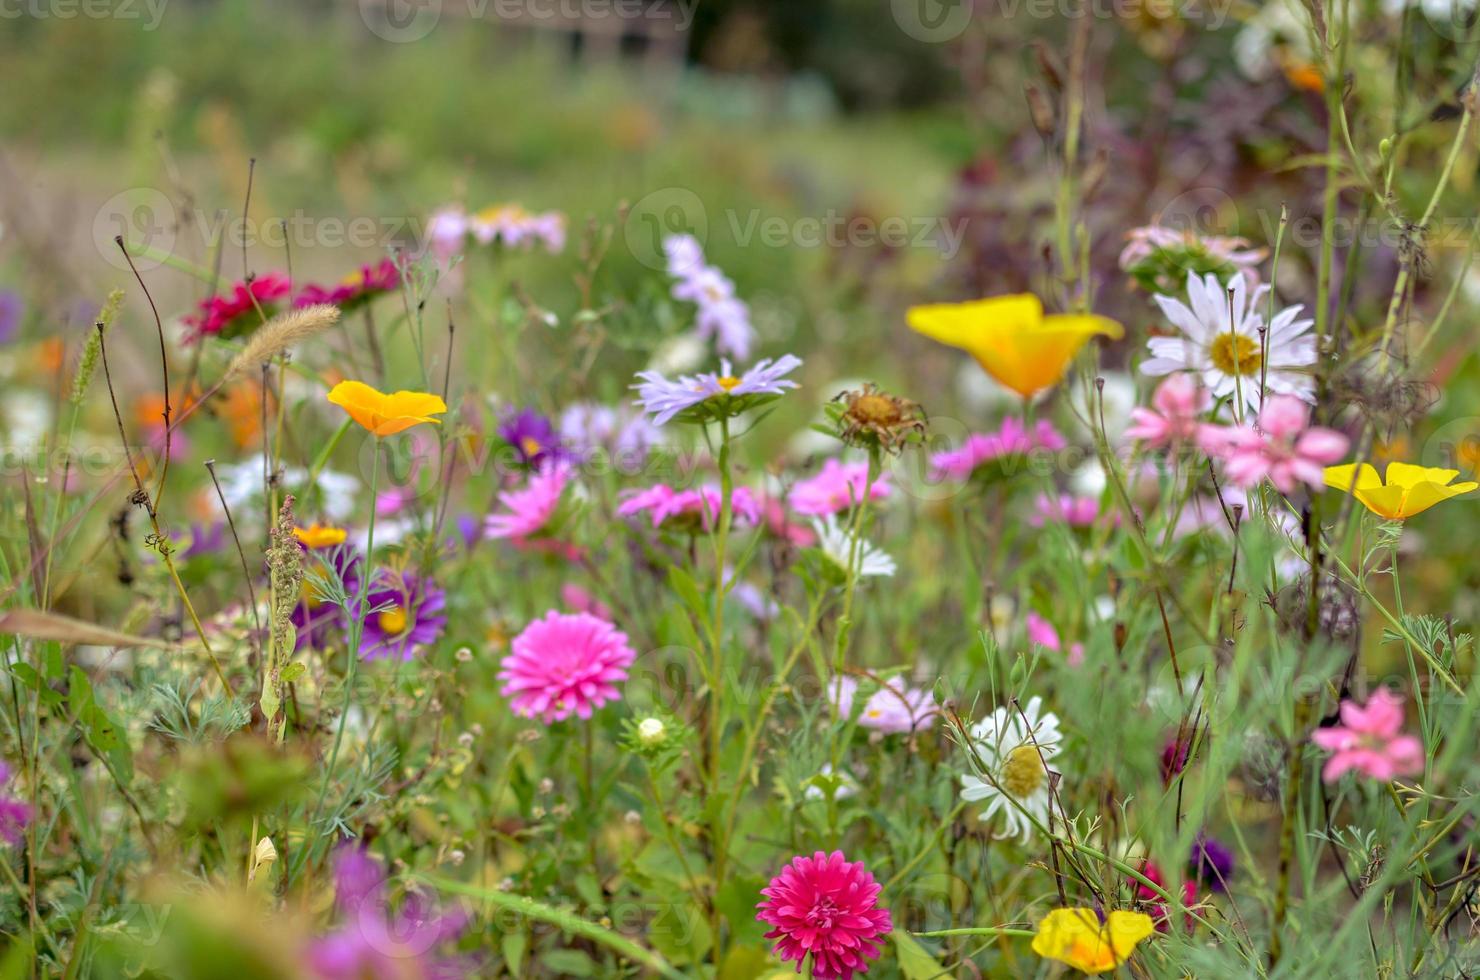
(385, 415)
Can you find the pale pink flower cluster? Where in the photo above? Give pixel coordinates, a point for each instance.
(893, 709)
(1369, 740)
(1282, 447)
(1067, 509)
(837, 487)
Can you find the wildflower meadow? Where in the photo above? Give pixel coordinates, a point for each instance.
(735, 489)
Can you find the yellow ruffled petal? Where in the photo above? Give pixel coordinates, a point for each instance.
(1078, 938)
(382, 414)
(1408, 475)
(1011, 338)
(1341, 477)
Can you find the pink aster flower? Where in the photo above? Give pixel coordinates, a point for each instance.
(692, 510)
(839, 486)
(1173, 419)
(827, 908)
(565, 664)
(1070, 510)
(1041, 632)
(1011, 441)
(528, 510)
(1283, 447)
(1369, 741)
(355, 289)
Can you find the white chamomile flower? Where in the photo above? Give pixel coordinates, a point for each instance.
(838, 545)
(1013, 745)
(1220, 342)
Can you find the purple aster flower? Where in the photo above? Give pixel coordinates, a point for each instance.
(721, 314)
(205, 539)
(11, 308)
(14, 813)
(684, 254)
(587, 428)
(373, 941)
(407, 613)
(1211, 862)
(532, 436)
(665, 399)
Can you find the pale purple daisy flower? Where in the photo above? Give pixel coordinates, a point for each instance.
(664, 398)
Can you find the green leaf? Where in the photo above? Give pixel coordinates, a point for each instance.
(568, 962)
(513, 945)
(915, 961)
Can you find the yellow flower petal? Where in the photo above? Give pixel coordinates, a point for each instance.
(1078, 937)
(319, 536)
(382, 414)
(1406, 490)
(1011, 338)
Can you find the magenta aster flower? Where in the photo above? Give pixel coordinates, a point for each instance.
(1369, 740)
(527, 511)
(565, 664)
(227, 315)
(691, 510)
(373, 942)
(359, 287)
(824, 907)
(407, 611)
(1283, 447)
(713, 395)
(14, 812)
(1009, 443)
(838, 487)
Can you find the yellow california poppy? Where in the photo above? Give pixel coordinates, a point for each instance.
(1078, 937)
(319, 536)
(1011, 338)
(1407, 489)
(382, 414)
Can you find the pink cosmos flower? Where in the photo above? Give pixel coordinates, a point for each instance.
(1173, 421)
(828, 908)
(1283, 447)
(565, 664)
(694, 510)
(838, 487)
(893, 709)
(1369, 740)
(1012, 439)
(528, 510)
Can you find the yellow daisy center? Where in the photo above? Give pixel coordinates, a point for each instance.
(1234, 353)
(728, 383)
(1023, 773)
(530, 445)
(393, 621)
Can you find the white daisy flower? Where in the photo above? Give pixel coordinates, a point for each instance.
(1014, 753)
(838, 545)
(1224, 351)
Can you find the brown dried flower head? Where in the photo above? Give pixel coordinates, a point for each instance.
(872, 417)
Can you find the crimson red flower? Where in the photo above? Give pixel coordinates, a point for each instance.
(825, 906)
(360, 286)
(224, 315)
